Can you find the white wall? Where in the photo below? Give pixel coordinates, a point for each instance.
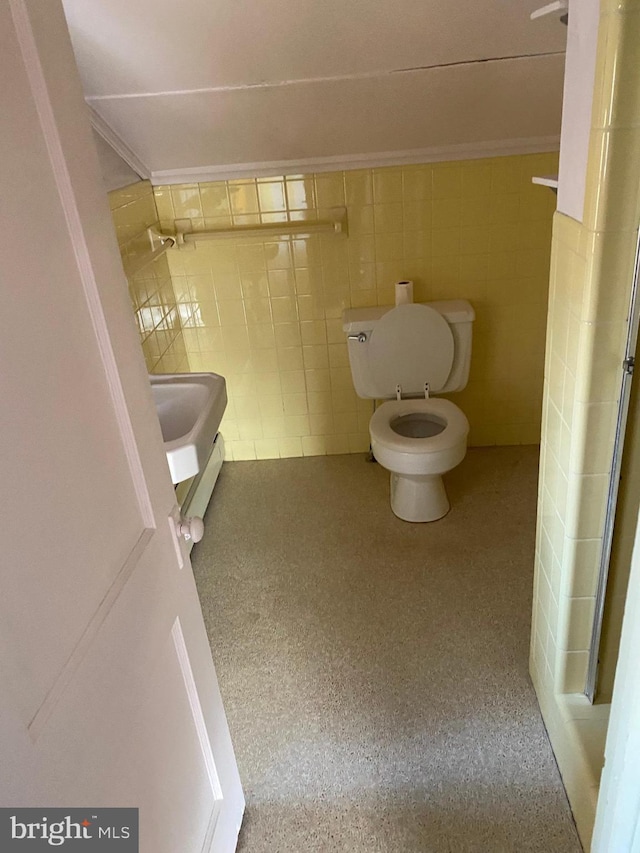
(576, 108)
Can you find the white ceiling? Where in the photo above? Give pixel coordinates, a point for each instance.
(226, 86)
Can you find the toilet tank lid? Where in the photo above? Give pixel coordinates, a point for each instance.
(355, 320)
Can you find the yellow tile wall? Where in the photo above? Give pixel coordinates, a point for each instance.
(266, 313)
(591, 276)
(157, 313)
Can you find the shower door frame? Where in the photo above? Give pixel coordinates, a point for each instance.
(591, 683)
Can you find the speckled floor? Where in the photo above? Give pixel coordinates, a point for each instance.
(374, 672)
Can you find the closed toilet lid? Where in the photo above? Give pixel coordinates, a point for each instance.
(410, 345)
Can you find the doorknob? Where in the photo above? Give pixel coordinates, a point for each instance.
(191, 529)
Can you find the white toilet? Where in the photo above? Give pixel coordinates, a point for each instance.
(404, 354)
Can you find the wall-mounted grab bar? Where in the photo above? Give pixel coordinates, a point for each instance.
(336, 223)
(160, 242)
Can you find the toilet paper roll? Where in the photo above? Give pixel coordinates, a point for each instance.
(404, 292)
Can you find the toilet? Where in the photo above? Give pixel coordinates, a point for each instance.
(404, 354)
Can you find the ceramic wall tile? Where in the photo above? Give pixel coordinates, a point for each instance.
(591, 272)
(252, 300)
(156, 309)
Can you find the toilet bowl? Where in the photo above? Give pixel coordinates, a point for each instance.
(418, 441)
(410, 352)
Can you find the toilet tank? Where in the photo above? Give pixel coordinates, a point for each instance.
(356, 322)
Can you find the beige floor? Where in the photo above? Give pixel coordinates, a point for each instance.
(374, 672)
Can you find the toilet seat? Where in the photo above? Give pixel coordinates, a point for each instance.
(434, 454)
(456, 425)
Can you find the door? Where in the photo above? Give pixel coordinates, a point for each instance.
(109, 696)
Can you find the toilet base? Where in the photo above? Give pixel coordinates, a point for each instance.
(418, 498)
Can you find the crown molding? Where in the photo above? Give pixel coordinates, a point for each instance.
(465, 151)
(118, 144)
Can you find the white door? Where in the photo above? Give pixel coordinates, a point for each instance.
(108, 692)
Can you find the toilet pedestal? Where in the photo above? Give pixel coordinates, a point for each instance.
(418, 497)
